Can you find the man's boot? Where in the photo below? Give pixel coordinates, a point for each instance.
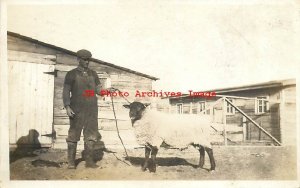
(72, 146)
(89, 155)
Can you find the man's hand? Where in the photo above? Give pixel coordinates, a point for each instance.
(70, 112)
(111, 89)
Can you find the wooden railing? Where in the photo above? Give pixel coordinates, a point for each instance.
(224, 99)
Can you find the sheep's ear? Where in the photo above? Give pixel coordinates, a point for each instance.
(146, 104)
(126, 106)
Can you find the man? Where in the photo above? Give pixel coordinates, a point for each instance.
(82, 83)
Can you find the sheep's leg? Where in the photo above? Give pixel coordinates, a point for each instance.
(211, 158)
(147, 155)
(202, 156)
(154, 151)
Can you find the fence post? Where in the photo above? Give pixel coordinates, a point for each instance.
(244, 129)
(249, 130)
(259, 132)
(211, 112)
(224, 121)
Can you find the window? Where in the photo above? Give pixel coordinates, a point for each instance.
(104, 80)
(262, 105)
(230, 109)
(179, 108)
(202, 106)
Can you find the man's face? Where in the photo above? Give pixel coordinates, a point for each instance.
(84, 62)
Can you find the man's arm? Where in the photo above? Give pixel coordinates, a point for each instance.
(66, 94)
(98, 84)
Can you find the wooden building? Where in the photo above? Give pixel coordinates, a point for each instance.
(36, 75)
(272, 105)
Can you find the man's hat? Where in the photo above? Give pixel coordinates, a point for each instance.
(84, 54)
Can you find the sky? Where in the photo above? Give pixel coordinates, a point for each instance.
(188, 45)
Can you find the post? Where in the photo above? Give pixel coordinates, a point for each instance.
(211, 112)
(259, 132)
(281, 113)
(244, 129)
(224, 121)
(249, 130)
(4, 113)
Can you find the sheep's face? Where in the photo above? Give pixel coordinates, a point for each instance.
(136, 110)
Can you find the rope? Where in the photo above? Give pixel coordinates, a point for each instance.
(113, 106)
(120, 160)
(121, 95)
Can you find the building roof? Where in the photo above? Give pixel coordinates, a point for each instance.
(263, 85)
(74, 53)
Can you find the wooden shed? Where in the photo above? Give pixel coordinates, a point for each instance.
(272, 105)
(36, 75)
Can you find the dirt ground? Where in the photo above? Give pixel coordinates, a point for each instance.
(233, 163)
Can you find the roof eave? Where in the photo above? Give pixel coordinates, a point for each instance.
(282, 83)
(74, 53)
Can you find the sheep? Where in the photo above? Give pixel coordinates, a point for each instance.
(152, 128)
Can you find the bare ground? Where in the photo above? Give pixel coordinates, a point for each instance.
(233, 163)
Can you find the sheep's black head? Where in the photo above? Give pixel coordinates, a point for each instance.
(136, 110)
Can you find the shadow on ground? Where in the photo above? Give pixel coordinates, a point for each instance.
(45, 163)
(166, 161)
(27, 146)
(98, 156)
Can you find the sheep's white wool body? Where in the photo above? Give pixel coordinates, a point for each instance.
(177, 130)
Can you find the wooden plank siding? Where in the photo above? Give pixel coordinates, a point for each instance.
(26, 46)
(269, 120)
(35, 54)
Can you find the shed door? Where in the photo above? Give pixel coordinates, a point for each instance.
(30, 102)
